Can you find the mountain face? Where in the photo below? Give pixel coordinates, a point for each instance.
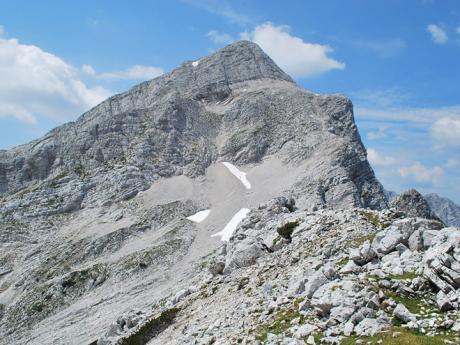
(445, 209)
(114, 211)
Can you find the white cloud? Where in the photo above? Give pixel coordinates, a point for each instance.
(219, 37)
(415, 115)
(2, 30)
(377, 159)
(136, 72)
(422, 173)
(438, 35)
(452, 163)
(296, 57)
(37, 83)
(446, 131)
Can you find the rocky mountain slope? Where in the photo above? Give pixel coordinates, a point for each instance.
(111, 224)
(445, 209)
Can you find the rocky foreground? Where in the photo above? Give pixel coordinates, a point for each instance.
(289, 276)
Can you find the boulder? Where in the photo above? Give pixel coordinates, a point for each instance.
(363, 254)
(369, 327)
(403, 314)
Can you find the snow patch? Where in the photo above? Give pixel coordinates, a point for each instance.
(240, 175)
(230, 228)
(195, 63)
(199, 216)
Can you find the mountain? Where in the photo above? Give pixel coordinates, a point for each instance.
(445, 209)
(123, 207)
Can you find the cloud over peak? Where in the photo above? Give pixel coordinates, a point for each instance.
(296, 57)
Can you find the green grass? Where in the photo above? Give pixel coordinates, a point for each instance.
(282, 321)
(287, 229)
(342, 262)
(407, 337)
(151, 328)
(407, 275)
(373, 219)
(37, 308)
(413, 304)
(359, 240)
(79, 170)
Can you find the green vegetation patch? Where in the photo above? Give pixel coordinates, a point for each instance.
(413, 304)
(373, 219)
(151, 328)
(359, 240)
(287, 229)
(282, 321)
(407, 275)
(342, 262)
(404, 337)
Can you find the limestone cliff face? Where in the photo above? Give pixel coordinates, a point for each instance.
(235, 104)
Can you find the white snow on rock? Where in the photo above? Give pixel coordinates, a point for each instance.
(227, 232)
(195, 63)
(199, 216)
(240, 175)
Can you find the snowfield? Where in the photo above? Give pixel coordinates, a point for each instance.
(227, 232)
(240, 175)
(199, 216)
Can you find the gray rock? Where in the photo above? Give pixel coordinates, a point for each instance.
(386, 241)
(305, 330)
(444, 301)
(369, 327)
(403, 314)
(363, 254)
(243, 253)
(217, 267)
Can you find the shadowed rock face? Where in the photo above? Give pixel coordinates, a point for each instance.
(78, 239)
(235, 104)
(413, 204)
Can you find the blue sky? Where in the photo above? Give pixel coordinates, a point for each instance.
(397, 60)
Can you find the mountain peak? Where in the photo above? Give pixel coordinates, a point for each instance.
(240, 61)
(210, 77)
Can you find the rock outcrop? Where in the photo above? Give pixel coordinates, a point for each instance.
(413, 204)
